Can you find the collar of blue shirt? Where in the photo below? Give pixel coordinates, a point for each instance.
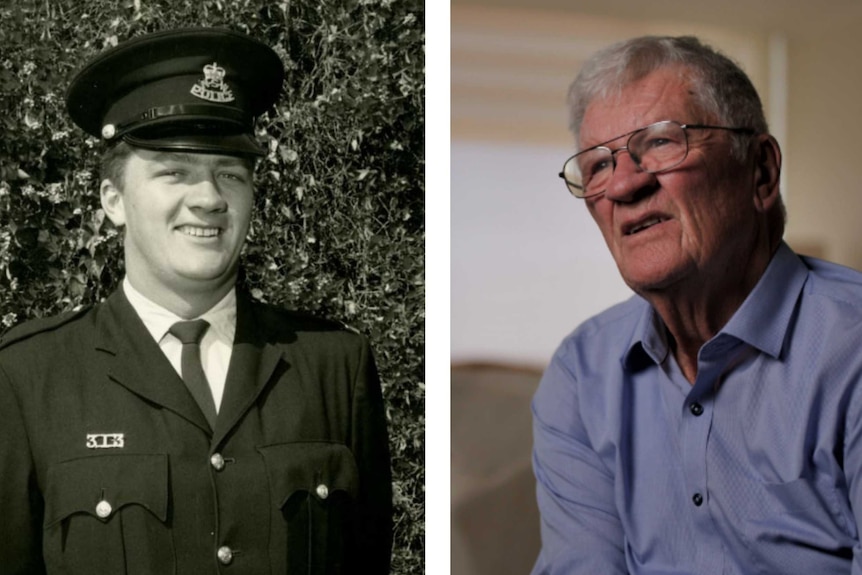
(761, 321)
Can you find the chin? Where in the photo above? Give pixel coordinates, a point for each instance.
(645, 279)
(206, 276)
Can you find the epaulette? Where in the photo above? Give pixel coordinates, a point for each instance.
(40, 325)
(348, 327)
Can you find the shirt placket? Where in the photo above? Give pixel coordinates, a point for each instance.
(696, 423)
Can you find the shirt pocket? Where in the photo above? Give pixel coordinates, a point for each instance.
(800, 526)
(314, 486)
(108, 514)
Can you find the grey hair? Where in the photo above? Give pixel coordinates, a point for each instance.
(720, 87)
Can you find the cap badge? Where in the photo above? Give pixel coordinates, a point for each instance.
(213, 88)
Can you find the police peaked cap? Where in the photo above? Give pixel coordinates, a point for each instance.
(191, 90)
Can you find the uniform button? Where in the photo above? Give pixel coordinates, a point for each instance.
(103, 509)
(696, 409)
(225, 555)
(697, 498)
(322, 491)
(217, 461)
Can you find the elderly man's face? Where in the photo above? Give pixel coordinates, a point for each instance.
(693, 222)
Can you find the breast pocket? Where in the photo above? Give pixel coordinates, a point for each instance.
(108, 514)
(314, 487)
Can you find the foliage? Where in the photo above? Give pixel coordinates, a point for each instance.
(339, 225)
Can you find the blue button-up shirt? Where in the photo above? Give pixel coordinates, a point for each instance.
(755, 468)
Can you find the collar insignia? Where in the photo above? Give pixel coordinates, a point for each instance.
(105, 441)
(212, 87)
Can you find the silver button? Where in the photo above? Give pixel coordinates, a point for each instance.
(217, 461)
(225, 555)
(103, 509)
(322, 491)
(109, 131)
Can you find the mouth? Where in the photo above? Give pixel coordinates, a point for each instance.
(643, 225)
(199, 231)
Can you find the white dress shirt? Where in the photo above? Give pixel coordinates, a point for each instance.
(216, 346)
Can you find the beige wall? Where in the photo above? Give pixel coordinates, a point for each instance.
(511, 67)
(824, 147)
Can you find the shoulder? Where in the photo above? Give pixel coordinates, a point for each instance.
(37, 329)
(840, 285)
(613, 326)
(287, 324)
(598, 345)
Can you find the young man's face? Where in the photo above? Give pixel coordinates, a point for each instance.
(186, 217)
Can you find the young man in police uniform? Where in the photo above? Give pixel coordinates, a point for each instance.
(135, 439)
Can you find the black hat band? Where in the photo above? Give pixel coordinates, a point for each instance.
(204, 113)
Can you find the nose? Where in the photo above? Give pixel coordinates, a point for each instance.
(206, 195)
(628, 182)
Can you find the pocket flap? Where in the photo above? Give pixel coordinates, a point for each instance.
(83, 485)
(318, 467)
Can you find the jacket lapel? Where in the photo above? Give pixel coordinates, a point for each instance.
(135, 361)
(252, 364)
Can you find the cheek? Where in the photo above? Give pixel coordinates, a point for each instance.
(600, 212)
(716, 218)
(242, 205)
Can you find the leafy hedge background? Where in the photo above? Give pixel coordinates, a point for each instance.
(339, 224)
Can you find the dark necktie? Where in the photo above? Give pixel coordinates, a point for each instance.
(190, 333)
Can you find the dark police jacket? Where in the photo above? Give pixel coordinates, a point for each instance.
(107, 465)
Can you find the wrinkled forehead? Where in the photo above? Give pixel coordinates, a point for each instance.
(664, 94)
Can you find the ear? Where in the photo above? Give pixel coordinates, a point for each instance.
(767, 172)
(112, 202)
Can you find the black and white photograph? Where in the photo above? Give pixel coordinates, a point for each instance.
(212, 287)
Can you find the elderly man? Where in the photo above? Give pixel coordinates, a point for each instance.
(180, 426)
(712, 422)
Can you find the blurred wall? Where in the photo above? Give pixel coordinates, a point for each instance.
(527, 262)
(825, 141)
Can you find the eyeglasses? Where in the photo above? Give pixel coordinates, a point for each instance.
(654, 148)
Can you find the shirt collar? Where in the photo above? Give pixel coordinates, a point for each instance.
(158, 320)
(648, 339)
(761, 321)
(765, 315)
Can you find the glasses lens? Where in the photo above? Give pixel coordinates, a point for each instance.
(572, 176)
(659, 147)
(588, 172)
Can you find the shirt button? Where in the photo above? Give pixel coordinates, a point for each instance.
(103, 509)
(697, 498)
(225, 555)
(696, 409)
(322, 491)
(217, 461)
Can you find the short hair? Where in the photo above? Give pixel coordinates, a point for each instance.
(113, 163)
(720, 86)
